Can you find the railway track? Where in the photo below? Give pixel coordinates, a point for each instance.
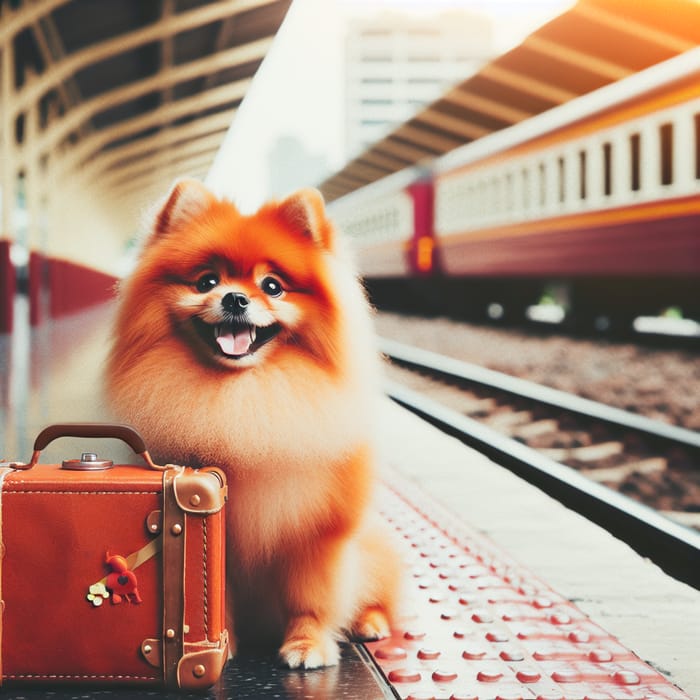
(639, 478)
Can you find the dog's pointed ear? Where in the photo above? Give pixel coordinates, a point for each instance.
(188, 198)
(305, 212)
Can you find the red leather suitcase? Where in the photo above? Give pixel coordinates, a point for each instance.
(111, 574)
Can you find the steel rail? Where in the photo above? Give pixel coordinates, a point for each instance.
(521, 387)
(673, 547)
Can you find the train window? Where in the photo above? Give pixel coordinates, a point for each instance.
(562, 181)
(526, 188)
(666, 144)
(607, 168)
(635, 156)
(543, 184)
(510, 192)
(582, 174)
(697, 146)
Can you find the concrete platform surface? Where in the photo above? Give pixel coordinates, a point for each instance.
(652, 614)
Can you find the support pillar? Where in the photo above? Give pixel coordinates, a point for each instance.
(37, 287)
(35, 237)
(8, 281)
(7, 287)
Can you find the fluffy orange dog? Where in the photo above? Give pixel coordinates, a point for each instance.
(245, 342)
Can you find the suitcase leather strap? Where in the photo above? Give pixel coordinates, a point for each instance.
(4, 471)
(173, 646)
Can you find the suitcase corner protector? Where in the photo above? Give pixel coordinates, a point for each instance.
(201, 669)
(202, 491)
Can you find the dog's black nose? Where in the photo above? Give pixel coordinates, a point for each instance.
(235, 302)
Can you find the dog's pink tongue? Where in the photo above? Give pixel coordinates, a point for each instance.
(234, 343)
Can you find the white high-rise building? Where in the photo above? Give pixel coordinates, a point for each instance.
(397, 63)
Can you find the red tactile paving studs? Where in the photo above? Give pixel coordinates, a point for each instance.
(479, 626)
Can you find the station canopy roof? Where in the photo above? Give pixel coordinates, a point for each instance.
(135, 90)
(594, 43)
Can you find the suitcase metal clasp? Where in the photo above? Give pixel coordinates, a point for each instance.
(88, 462)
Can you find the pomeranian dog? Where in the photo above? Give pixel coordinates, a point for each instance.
(245, 342)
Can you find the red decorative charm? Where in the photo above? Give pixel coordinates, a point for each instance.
(121, 582)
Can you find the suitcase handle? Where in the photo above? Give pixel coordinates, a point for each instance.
(91, 430)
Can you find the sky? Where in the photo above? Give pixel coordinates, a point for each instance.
(298, 90)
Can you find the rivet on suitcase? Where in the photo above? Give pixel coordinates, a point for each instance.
(111, 574)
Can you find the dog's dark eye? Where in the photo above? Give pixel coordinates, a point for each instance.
(271, 287)
(207, 282)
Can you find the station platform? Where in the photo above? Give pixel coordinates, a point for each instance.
(563, 557)
(508, 593)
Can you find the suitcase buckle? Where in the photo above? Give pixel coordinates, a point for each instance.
(88, 462)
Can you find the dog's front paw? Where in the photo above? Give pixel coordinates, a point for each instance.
(310, 649)
(371, 624)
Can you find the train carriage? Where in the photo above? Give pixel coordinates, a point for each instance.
(387, 222)
(598, 199)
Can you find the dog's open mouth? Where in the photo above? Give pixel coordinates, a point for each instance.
(238, 339)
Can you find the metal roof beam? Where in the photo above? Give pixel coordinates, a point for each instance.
(330, 193)
(154, 184)
(13, 22)
(51, 49)
(167, 46)
(344, 179)
(423, 137)
(223, 39)
(205, 145)
(365, 172)
(156, 31)
(162, 115)
(58, 131)
(638, 30)
(382, 161)
(454, 125)
(491, 108)
(146, 147)
(525, 83)
(580, 59)
(410, 154)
